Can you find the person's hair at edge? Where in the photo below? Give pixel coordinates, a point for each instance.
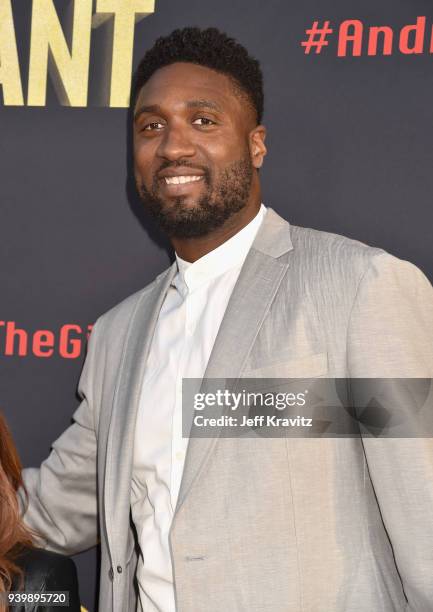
(209, 48)
(14, 536)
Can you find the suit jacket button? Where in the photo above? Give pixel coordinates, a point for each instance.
(119, 569)
(111, 574)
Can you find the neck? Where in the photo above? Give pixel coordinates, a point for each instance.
(191, 249)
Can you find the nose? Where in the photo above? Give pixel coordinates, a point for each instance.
(176, 144)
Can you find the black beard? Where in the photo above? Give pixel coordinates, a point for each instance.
(211, 211)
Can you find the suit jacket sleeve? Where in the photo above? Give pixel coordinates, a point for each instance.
(391, 335)
(62, 493)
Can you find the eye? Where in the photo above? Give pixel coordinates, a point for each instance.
(203, 121)
(154, 125)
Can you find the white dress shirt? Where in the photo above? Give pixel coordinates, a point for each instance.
(182, 343)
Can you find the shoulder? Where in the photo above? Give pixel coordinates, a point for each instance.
(48, 571)
(314, 252)
(334, 272)
(333, 248)
(115, 321)
(333, 257)
(41, 565)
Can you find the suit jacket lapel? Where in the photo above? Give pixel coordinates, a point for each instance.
(258, 282)
(125, 405)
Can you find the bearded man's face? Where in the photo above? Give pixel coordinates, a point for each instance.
(193, 167)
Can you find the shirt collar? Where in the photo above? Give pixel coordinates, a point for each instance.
(230, 254)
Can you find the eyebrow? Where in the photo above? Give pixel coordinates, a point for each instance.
(155, 108)
(204, 104)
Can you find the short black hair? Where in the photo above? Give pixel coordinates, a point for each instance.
(210, 48)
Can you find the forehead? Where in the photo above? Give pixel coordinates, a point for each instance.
(178, 83)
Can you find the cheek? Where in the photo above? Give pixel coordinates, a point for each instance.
(231, 149)
(224, 163)
(143, 159)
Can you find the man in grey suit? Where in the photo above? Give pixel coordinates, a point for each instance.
(239, 524)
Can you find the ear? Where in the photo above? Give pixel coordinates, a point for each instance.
(257, 145)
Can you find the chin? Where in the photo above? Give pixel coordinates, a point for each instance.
(180, 204)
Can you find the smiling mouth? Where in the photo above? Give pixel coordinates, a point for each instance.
(181, 180)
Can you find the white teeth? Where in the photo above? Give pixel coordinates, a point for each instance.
(179, 180)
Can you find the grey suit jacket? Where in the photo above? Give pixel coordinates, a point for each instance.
(269, 525)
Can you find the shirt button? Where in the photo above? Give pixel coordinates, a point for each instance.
(119, 569)
(111, 574)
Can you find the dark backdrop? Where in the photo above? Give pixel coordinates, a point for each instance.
(349, 142)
